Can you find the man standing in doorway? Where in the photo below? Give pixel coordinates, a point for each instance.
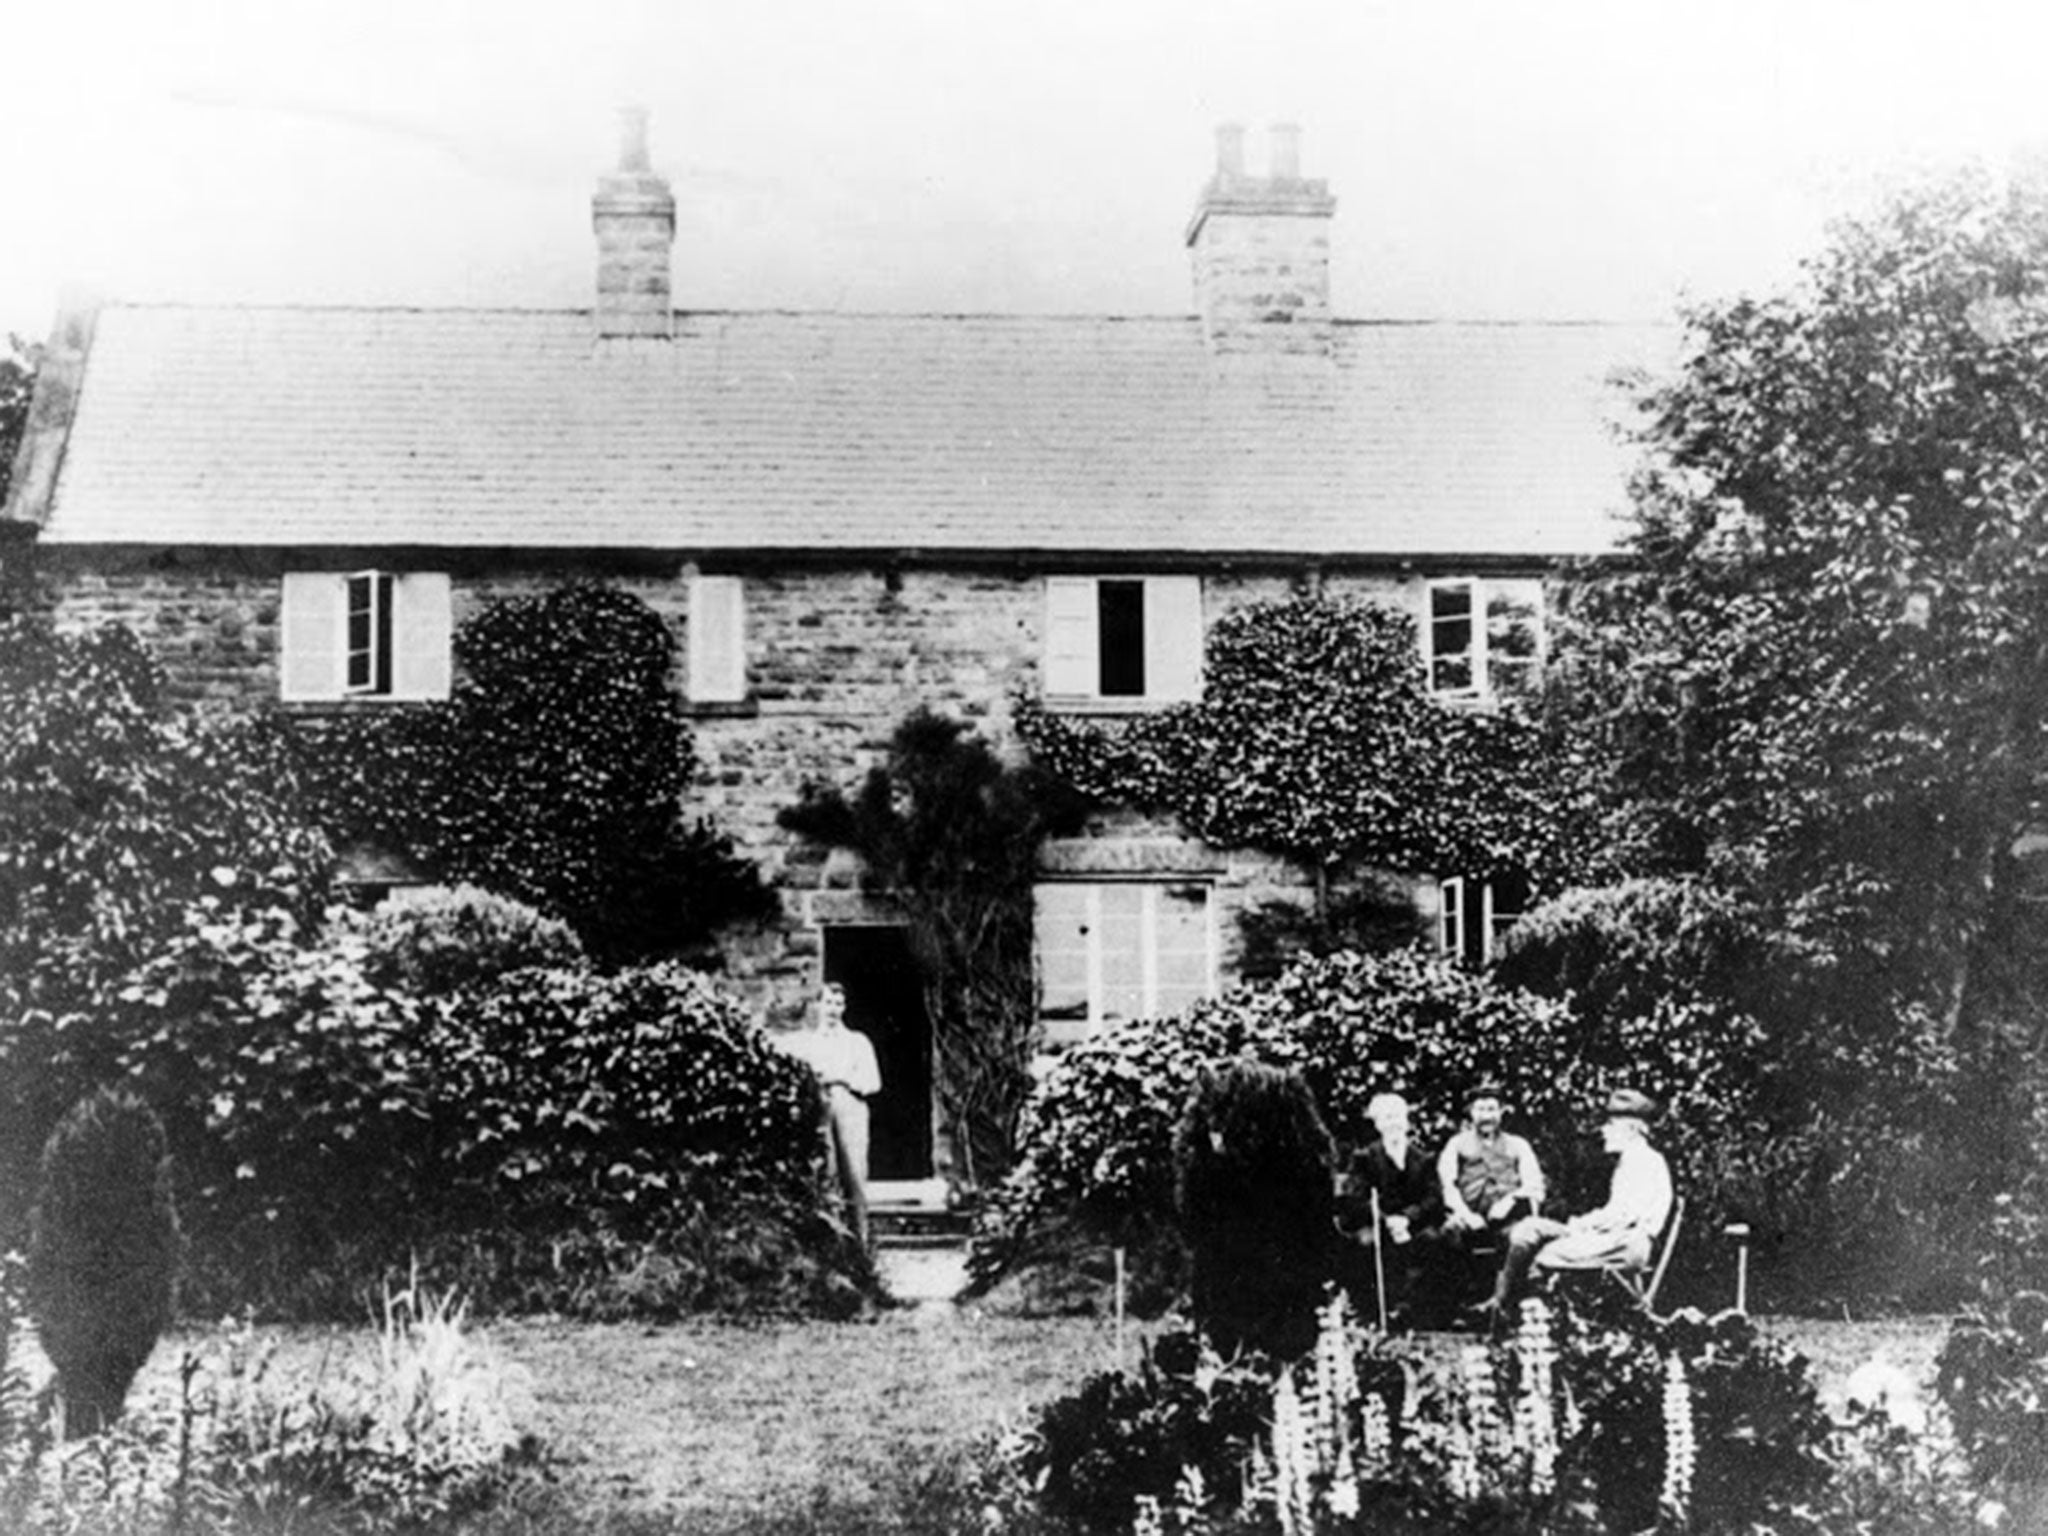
(844, 1060)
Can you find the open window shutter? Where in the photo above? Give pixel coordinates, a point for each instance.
(310, 636)
(718, 639)
(422, 623)
(1073, 660)
(1173, 637)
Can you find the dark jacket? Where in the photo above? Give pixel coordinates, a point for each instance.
(1411, 1191)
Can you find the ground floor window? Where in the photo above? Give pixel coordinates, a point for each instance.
(1110, 950)
(1474, 913)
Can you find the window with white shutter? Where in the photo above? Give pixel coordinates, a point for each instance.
(717, 640)
(1123, 639)
(364, 635)
(1475, 914)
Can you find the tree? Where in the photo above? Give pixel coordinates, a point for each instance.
(1316, 738)
(1821, 680)
(951, 834)
(17, 383)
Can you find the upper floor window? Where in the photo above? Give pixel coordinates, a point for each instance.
(1134, 638)
(717, 640)
(1484, 638)
(1121, 950)
(1474, 914)
(364, 634)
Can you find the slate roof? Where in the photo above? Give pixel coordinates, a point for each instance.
(773, 431)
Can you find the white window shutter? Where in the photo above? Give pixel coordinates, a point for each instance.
(718, 639)
(422, 623)
(1173, 637)
(1073, 655)
(309, 636)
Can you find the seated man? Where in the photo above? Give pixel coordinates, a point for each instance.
(1489, 1179)
(1619, 1232)
(1410, 1206)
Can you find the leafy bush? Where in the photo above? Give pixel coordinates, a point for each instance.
(606, 1090)
(438, 942)
(103, 1258)
(1099, 1129)
(554, 774)
(296, 1093)
(115, 813)
(1252, 1185)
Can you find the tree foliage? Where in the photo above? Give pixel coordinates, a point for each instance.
(1821, 681)
(1316, 738)
(951, 833)
(17, 384)
(555, 774)
(116, 814)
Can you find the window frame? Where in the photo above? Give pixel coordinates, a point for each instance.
(710, 676)
(1481, 593)
(1097, 988)
(1456, 935)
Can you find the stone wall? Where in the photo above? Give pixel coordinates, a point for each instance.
(837, 657)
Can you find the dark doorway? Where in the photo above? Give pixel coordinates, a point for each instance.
(885, 1002)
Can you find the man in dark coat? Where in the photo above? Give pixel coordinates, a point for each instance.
(1411, 1214)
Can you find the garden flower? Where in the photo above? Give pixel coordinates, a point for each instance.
(1679, 1450)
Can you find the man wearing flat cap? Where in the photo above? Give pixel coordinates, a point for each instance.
(1619, 1232)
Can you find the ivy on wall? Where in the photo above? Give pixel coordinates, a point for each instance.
(554, 774)
(1316, 738)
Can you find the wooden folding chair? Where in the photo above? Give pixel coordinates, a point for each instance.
(1642, 1281)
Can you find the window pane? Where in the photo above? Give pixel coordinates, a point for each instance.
(1121, 948)
(1120, 610)
(1514, 635)
(382, 642)
(1063, 938)
(1450, 637)
(362, 631)
(1181, 941)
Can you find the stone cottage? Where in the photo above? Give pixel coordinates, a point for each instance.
(843, 517)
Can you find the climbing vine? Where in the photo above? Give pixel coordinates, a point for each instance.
(554, 774)
(1316, 738)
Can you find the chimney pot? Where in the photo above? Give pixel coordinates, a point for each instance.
(633, 139)
(1283, 148)
(1230, 149)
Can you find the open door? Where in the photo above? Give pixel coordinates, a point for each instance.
(885, 1002)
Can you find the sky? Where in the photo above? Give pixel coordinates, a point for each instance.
(1567, 159)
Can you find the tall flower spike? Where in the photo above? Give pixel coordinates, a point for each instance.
(1679, 1449)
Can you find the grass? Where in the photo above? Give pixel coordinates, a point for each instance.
(784, 1428)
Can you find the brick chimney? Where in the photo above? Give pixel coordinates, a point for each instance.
(1261, 251)
(634, 214)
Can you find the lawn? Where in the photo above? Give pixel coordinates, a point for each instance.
(718, 1427)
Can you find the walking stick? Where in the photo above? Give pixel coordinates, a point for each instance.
(1379, 1262)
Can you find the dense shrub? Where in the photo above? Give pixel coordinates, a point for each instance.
(440, 941)
(551, 1137)
(103, 1256)
(1252, 1185)
(1099, 1129)
(116, 812)
(606, 1090)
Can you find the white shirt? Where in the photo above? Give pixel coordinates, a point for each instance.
(842, 1058)
(1639, 1199)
